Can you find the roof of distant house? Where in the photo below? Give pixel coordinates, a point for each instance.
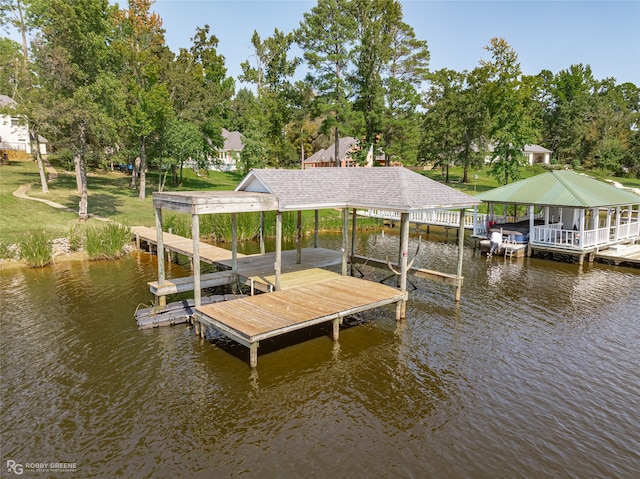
(327, 155)
(232, 140)
(6, 101)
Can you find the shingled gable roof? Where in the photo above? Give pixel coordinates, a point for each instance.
(560, 188)
(395, 189)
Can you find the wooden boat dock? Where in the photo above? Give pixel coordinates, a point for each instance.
(295, 291)
(620, 254)
(252, 319)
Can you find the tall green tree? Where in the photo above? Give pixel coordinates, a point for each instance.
(200, 90)
(72, 62)
(140, 43)
(406, 71)
(509, 108)
(271, 73)
(327, 36)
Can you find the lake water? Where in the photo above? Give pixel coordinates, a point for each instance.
(534, 375)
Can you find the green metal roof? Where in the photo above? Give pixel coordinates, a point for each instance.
(560, 188)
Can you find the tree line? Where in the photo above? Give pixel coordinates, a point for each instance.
(99, 81)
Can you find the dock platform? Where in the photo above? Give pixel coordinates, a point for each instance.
(179, 244)
(252, 319)
(620, 254)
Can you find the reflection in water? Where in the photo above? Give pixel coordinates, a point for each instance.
(533, 374)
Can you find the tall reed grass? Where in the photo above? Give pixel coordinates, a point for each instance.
(36, 248)
(106, 241)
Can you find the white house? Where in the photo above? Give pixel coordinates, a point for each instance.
(229, 154)
(14, 131)
(535, 154)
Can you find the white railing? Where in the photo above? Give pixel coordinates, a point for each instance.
(7, 145)
(428, 217)
(626, 230)
(552, 235)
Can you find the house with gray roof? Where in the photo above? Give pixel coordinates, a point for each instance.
(534, 154)
(229, 154)
(326, 157)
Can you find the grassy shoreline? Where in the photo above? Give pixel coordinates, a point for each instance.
(110, 197)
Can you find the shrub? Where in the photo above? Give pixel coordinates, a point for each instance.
(76, 238)
(179, 225)
(36, 248)
(106, 241)
(5, 251)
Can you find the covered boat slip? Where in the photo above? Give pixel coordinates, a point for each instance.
(299, 293)
(567, 212)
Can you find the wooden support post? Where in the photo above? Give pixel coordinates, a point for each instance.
(316, 229)
(278, 263)
(345, 239)
(532, 223)
(336, 329)
(196, 327)
(404, 253)
(460, 255)
(253, 354)
(234, 250)
(353, 238)
(162, 300)
(299, 238)
(400, 310)
(195, 234)
(262, 249)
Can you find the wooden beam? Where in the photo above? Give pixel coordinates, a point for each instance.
(345, 239)
(316, 228)
(460, 254)
(353, 236)
(262, 249)
(299, 238)
(195, 234)
(437, 276)
(162, 300)
(278, 263)
(253, 354)
(404, 253)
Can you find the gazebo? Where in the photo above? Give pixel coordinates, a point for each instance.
(566, 212)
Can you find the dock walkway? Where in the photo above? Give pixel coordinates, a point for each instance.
(179, 244)
(619, 254)
(254, 318)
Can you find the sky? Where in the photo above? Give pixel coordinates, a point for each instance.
(546, 35)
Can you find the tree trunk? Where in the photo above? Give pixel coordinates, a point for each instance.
(83, 206)
(174, 175)
(43, 176)
(134, 173)
(337, 148)
(76, 165)
(143, 169)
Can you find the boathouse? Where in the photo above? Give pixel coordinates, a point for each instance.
(297, 292)
(561, 212)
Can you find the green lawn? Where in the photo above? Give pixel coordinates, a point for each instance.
(111, 197)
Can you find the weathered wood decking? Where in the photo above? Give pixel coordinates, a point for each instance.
(620, 254)
(254, 318)
(179, 244)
